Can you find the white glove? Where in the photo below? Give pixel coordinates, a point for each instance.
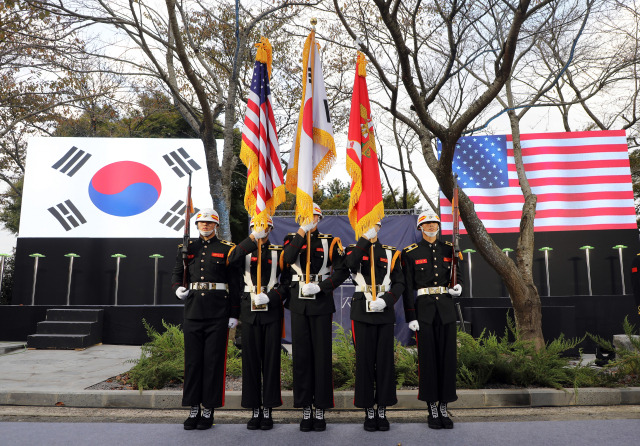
(259, 234)
(261, 299)
(414, 326)
(233, 322)
(182, 293)
(371, 233)
(310, 288)
(308, 227)
(377, 305)
(456, 290)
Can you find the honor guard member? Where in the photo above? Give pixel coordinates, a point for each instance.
(212, 307)
(261, 317)
(372, 325)
(311, 305)
(430, 310)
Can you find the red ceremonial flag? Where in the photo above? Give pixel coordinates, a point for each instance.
(582, 180)
(260, 150)
(365, 206)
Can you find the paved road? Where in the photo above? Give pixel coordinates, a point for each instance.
(566, 433)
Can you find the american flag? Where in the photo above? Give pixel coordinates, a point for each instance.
(582, 180)
(260, 150)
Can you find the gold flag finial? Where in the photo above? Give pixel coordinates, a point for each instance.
(314, 21)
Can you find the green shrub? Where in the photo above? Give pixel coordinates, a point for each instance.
(406, 362)
(286, 371)
(161, 360)
(509, 360)
(625, 368)
(234, 361)
(344, 359)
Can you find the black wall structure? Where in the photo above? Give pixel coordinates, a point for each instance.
(569, 309)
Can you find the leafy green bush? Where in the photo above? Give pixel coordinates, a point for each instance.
(490, 360)
(234, 360)
(161, 360)
(625, 368)
(406, 362)
(344, 359)
(286, 371)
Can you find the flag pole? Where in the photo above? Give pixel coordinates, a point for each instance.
(373, 275)
(259, 268)
(313, 21)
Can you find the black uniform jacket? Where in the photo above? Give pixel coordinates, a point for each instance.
(359, 259)
(426, 265)
(277, 295)
(296, 245)
(208, 262)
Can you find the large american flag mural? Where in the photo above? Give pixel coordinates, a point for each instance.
(582, 180)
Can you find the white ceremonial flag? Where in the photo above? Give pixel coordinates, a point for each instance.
(111, 187)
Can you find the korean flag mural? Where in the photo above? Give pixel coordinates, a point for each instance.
(111, 187)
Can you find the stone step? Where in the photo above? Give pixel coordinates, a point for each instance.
(60, 341)
(69, 314)
(67, 327)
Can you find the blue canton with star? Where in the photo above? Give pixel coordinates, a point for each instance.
(481, 161)
(260, 82)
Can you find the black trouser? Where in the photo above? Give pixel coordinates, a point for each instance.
(437, 361)
(374, 365)
(261, 364)
(312, 370)
(205, 361)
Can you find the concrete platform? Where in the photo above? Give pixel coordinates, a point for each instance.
(60, 377)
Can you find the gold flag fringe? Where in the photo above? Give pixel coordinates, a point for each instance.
(367, 221)
(362, 65)
(264, 54)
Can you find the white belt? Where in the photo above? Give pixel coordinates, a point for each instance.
(367, 288)
(208, 286)
(252, 289)
(433, 290)
(312, 277)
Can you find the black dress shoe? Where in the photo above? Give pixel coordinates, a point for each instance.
(192, 421)
(254, 422)
(370, 424)
(306, 424)
(433, 420)
(267, 422)
(319, 423)
(446, 421)
(206, 420)
(381, 419)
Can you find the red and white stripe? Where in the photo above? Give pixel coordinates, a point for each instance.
(582, 180)
(259, 134)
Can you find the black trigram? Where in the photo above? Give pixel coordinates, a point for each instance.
(179, 160)
(72, 161)
(174, 217)
(67, 215)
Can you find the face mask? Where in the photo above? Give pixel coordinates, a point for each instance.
(206, 233)
(430, 234)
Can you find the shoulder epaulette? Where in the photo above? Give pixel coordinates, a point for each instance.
(224, 242)
(351, 245)
(410, 247)
(448, 243)
(182, 244)
(393, 248)
(324, 236)
(275, 247)
(292, 233)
